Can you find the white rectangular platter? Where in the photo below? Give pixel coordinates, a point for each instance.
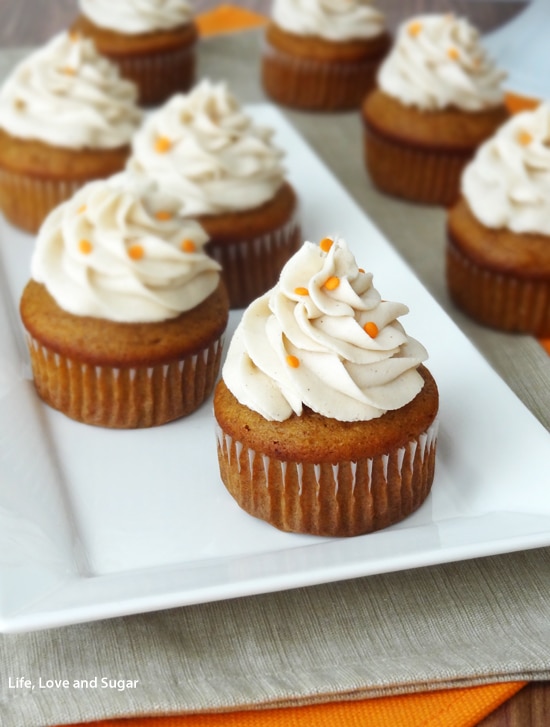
(98, 523)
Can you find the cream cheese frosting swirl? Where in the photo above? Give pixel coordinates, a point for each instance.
(336, 20)
(507, 184)
(323, 338)
(438, 61)
(208, 151)
(137, 16)
(67, 95)
(118, 250)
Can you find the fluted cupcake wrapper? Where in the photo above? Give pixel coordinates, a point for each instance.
(342, 499)
(124, 397)
(505, 302)
(315, 85)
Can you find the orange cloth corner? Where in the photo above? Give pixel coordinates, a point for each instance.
(545, 343)
(516, 103)
(227, 19)
(446, 708)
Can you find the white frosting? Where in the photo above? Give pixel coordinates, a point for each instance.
(116, 250)
(207, 151)
(67, 95)
(337, 20)
(507, 184)
(137, 16)
(438, 61)
(336, 368)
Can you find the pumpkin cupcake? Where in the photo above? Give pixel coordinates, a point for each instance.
(498, 252)
(124, 312)
(438, 97)
(66, 117)
(153, 42)
(323, 55)
(228, 175)
(326, 415)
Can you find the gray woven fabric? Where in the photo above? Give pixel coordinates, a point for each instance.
(466, 623)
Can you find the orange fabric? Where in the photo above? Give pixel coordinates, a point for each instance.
(516, 103)
(228, 18)
(545, 343)
(447, 708)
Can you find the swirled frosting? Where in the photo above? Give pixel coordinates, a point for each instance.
(67, 95)
(208, 151)
(323, 338)
(507, 184)
(329, 19)
(137, 16)
(118, 250)
(438, 61)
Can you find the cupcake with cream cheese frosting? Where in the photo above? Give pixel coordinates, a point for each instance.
(228, 174)
(323, 55)
(498, 252)
(438, 97)
(326, 415)
(66, 117)
(124, 312)
(153, 42)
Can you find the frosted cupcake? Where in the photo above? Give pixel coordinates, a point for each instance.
(228, 174)
(323, 55)
(124, 312)
(498, 253)
(439, 97)
(153, 42)
(326, 414)
(66, 117)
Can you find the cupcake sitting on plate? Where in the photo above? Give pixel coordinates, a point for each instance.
(439, 96)
(326, 415)
(153, 42)
(66, 117)
(498, 252)
(322, 55)
(227, 173)
(124, 311)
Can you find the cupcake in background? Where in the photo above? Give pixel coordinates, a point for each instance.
(326, 415)
(498, 252)
(227, 174)
(153, 42)
(322, 55)
(438, 97)
(124, 312)
(66, 117)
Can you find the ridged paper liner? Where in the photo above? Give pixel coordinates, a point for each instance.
(315, 85)
(413, 173)
(125, 398)
(506, 302)
(343, 499)
(251, 267)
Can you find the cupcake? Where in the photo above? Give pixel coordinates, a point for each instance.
(124, 311)
(153, 42)
(322, 55)
(438, 97)
(228, 175)
(66, 117)
(498, 251)
(326, 415)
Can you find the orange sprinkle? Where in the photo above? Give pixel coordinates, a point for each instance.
(524, 138)
(162, 144)
(325, 244)
(292, 361)
(163, 215)
(332, 283)
(414, 28)
(74, 35)
(301, 291)
(361, 270)
(85, 247)
(188, 246)
(68, 71)
(371, 328)
(81, 209)
(453, 53)
(136, 252)
(19, 104)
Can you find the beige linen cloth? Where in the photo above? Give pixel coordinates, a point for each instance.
(464, 623)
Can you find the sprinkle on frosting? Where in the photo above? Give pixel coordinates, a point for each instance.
(325, 244)
(136, 252)
(188, 245)
(301, 290)
(85, 247)
(162, 144)
(524, 137)
(414, 28)
(371, 328)
(163, 215)
(293, 361)
(332, 283)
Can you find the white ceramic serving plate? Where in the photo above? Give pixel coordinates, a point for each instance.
(97, 523)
